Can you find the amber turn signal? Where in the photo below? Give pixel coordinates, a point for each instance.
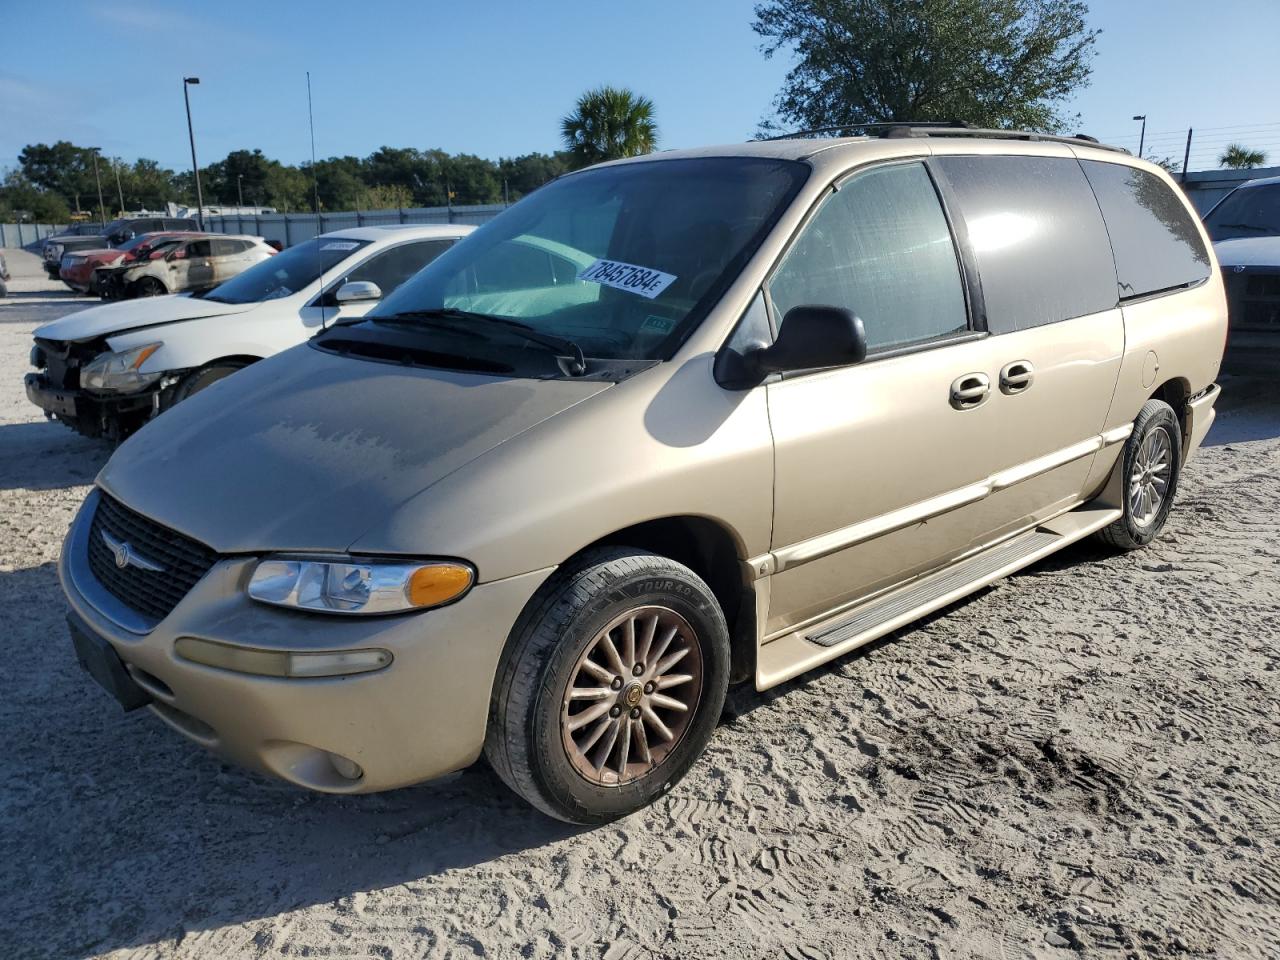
(438, 583)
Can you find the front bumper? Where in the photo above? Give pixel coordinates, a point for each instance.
(420, 717)
(91, 413)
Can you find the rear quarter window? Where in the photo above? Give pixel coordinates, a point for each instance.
(1157, 245)
(1041, 248)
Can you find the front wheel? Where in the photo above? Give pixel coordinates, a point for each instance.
(150, 287)
(1150, 465)
(610, 687)
(203, 377)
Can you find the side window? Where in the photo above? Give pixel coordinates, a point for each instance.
(199, 248)
(1156, 243)
(1041, 247)
(392, 267)
(879, 246)
(227, 248)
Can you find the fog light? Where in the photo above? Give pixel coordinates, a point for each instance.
(347, 769)
(281, 663)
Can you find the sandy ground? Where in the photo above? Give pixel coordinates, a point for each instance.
(1085, 758)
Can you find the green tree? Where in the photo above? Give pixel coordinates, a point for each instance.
(1239, 157)
(21, 200)
(63, 168)
(992, 63)
(609, 123)
(525, 174)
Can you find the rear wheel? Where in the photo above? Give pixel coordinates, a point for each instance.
(1150, 465)
(611, 686)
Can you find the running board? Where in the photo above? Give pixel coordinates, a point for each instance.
(794, 653)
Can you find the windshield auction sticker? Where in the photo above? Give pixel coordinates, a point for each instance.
(627, 276)
(340, 245)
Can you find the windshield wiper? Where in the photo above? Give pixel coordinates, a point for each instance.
(462, 319)
(1244, 226)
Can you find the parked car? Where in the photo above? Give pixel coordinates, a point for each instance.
(83, 271)
(1245, 229)
(55, 250)
(4, 277)
(190, 264)
(106, 370)
(803, 393)
(86, 236)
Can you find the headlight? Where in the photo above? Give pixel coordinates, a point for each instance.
(358, 586)
(119, 371)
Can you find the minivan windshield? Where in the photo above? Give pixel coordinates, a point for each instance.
(286, 273)
(1246, 212)
(622, 260)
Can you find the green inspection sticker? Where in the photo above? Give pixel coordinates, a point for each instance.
(655, 324)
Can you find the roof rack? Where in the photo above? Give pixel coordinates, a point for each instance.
(947, 128)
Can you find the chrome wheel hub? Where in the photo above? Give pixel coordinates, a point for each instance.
(1149, 478)
(631, 696)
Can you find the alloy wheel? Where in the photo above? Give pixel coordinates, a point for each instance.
(632, 695)
(1150, 476)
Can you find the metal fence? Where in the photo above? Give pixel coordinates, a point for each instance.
(13, 235)
(288, 228)
(291, 228)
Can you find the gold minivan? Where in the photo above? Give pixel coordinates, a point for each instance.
(669, 423)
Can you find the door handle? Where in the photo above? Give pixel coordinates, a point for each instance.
(970, 391)
(1017, 377)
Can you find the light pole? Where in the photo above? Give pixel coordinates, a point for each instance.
(1142, 137)
(102, 207)
(240, 187)
(115, 167)
(195, 167)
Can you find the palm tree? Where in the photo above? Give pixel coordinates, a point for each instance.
(609, 123)
(1239, 157)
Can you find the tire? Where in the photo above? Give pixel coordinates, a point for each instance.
(584, 604)
(4, 290)
(198, 379)
(1156, 429)
(150, 287)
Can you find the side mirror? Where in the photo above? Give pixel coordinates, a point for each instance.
(358, 291)
(812, 337)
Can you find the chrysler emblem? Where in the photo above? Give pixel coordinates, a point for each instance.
(126, 557)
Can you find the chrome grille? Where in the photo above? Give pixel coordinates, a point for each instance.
(150, 593)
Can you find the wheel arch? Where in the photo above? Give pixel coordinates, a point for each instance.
(1175, 392)
(712, 551)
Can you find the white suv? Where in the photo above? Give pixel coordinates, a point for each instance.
(106, 370)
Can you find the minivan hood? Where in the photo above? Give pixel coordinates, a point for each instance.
(131, 314)
(307, 450)
(1248, 252)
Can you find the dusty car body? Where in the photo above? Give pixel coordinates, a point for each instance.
(803, 393)
(192, 265)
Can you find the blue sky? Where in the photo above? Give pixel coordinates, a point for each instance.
(493, 78)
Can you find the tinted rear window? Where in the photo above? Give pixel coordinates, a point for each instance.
(1156, 243)
(1040, 244)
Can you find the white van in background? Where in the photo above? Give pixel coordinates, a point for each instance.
(106, 370)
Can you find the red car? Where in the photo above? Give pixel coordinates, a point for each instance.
(79, 270)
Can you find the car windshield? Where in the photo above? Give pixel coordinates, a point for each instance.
(622, 260)
(1246, 212)
(286, 273)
